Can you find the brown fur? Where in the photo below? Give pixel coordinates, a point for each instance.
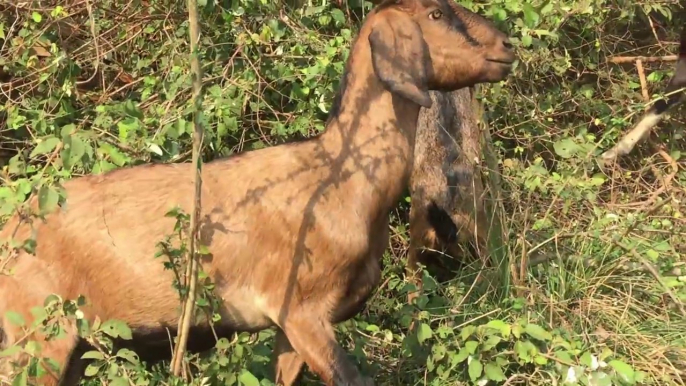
(296, 232)
(446, 189)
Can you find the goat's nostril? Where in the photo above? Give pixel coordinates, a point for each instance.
(507, 44)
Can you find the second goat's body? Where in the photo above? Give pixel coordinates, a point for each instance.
(446, 188)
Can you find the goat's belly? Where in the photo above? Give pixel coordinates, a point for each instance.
(245, 310)
(359, 291)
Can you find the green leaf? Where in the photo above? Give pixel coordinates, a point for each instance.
(36, 17)
(537, 332)
(599, 379)
(531, 17)
(32, 348)
(564, 356)
(247, 379)
(527, 40)
(460, 356)
(83, 327)
(662, 246)
(47, 199)
(67, 130)
(467, 332)
(491, 342)
(525, 350)
(45, 145)
(438, 352)
(119, 381)
(475, 369)
(116, 329)
(222, 344)
(112, 369)
(21, 379)
(124, 331)
(91, 370)
(8, 352)
(586, 359)
(625, 371)
(338, 16)
(424, 332)
(203, 249)
(499, 325)
(51, 299)
(494, 372)
(565, 148)
(132, 109)
(128, 355)
(93, 354)
(73, 151)
(127, 126)
(517, 330)
(15, 318)
(471, 346)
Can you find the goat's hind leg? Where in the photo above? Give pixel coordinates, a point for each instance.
(313, 338)
(289, 363)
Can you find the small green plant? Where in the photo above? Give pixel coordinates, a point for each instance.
(497, 351)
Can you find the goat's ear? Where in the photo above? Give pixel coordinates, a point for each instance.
(399, 57)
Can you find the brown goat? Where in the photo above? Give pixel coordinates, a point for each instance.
(296, 232)
(445, 187)
(658, 110)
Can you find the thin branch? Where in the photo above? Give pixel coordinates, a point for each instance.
(644, 59)
(644, 83)
(649, 267)
(192, 269)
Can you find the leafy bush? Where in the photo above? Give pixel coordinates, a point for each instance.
(89, 87)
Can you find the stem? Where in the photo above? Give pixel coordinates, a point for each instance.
(497, 237)
(189, 306)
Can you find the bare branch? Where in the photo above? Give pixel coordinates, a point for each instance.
(192, 268)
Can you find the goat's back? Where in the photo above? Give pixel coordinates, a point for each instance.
(102, 243)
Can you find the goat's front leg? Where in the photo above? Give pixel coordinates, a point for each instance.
(313, 338)
(288, 362)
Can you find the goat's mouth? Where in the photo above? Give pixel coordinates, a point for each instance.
(506, 62)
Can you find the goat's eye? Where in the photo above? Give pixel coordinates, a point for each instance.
(436, 14)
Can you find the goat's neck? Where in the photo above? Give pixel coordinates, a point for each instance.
(373, 135)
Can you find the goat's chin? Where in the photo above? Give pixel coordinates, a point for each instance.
(450, 87)
(496, 72)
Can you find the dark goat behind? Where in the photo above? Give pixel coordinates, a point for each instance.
(658, 110)
(447, 192)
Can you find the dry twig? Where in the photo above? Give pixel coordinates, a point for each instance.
(644, 83)
(192, 267)
(631, 59)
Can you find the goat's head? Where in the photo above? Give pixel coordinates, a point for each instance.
(420, 45)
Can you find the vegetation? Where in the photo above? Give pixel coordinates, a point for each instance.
(91, 86)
